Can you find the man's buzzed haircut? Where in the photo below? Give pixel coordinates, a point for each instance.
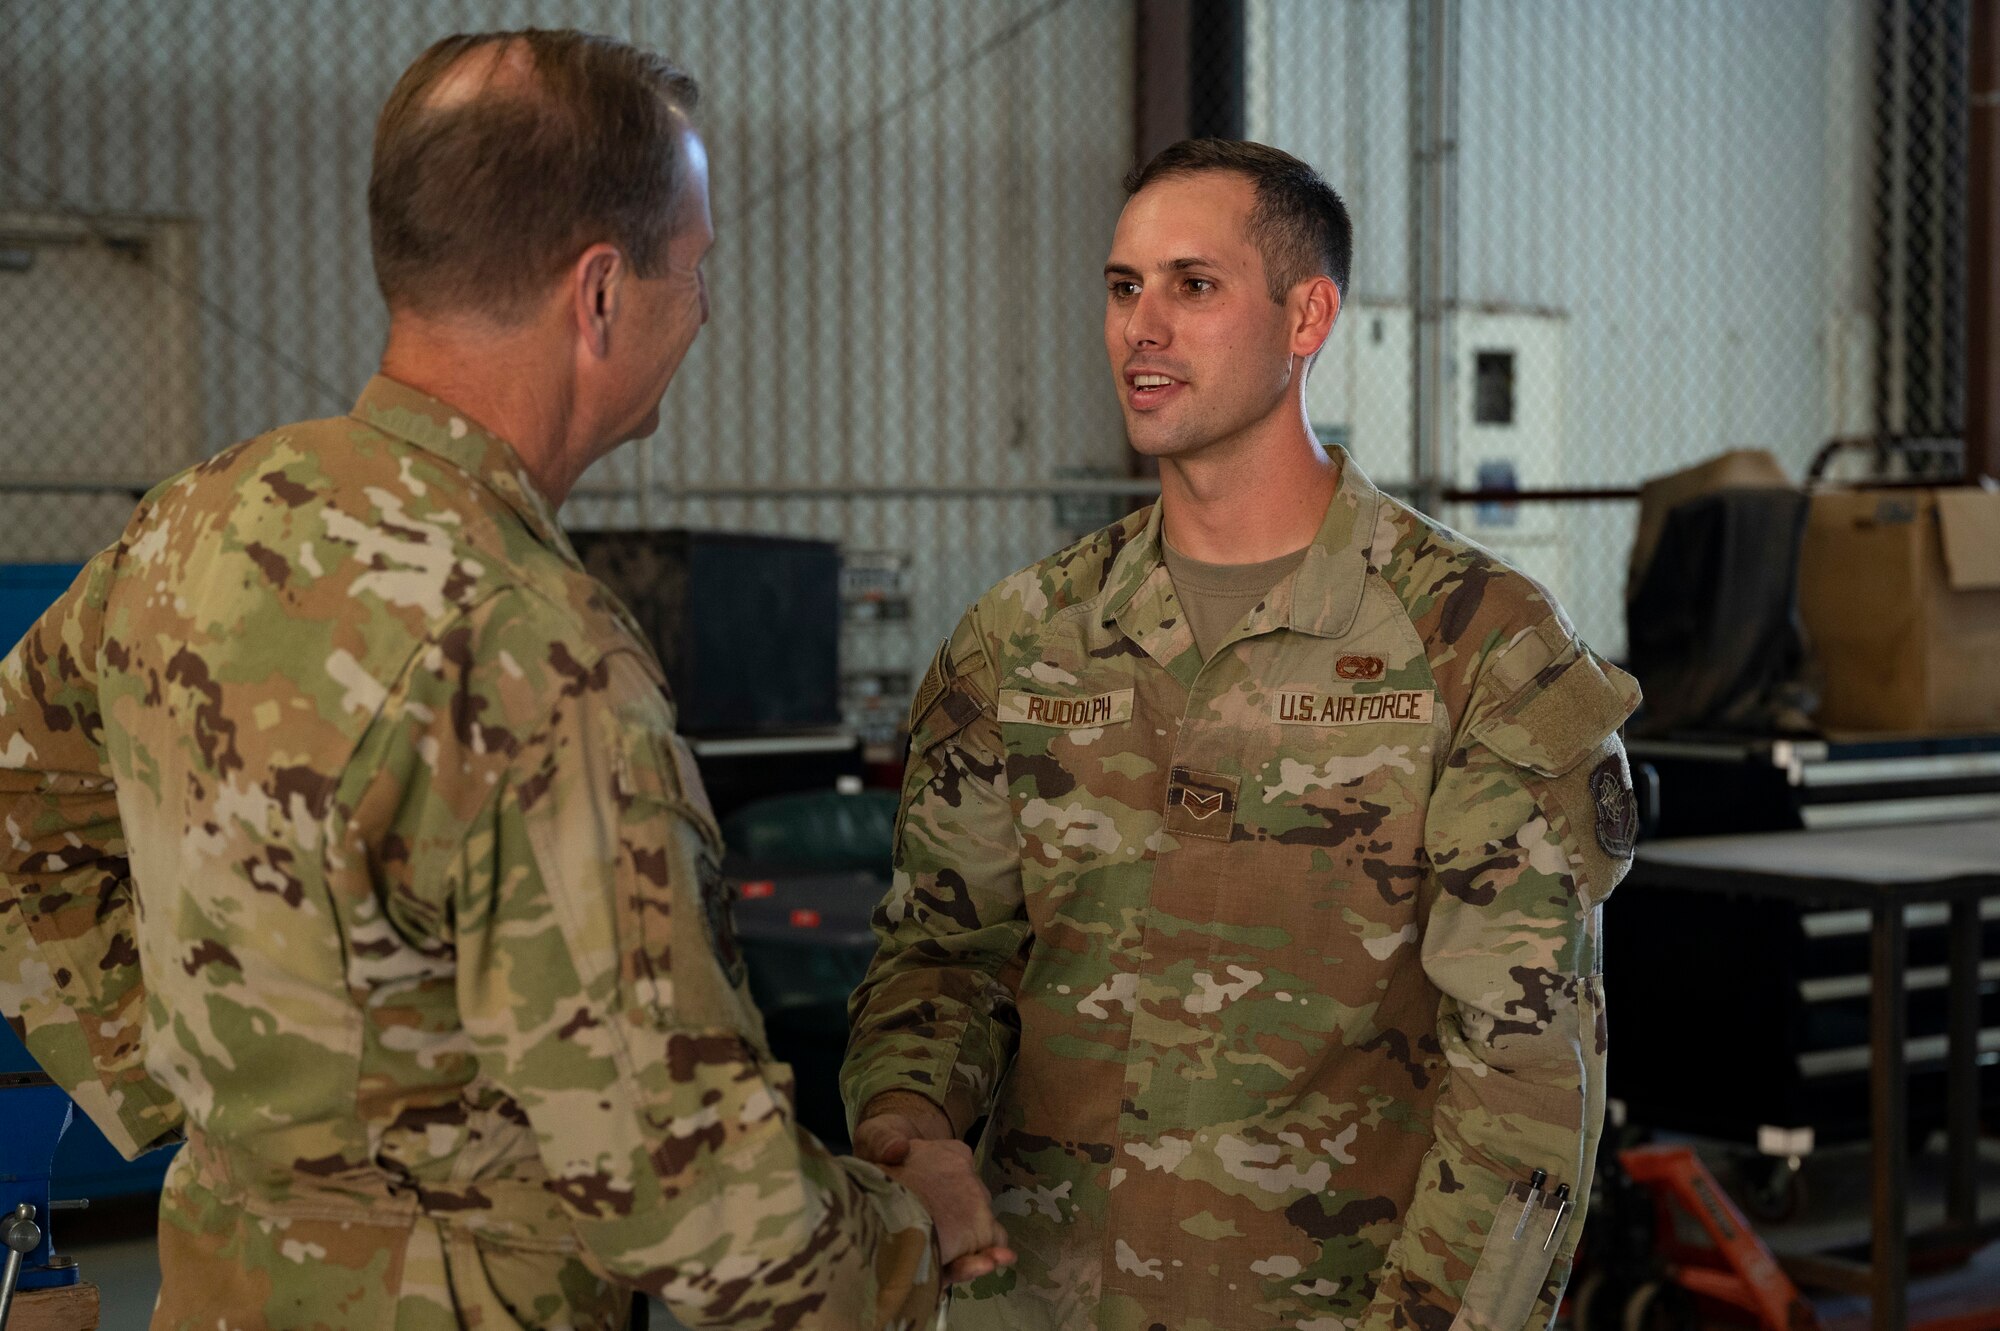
(1299, 224)
(477, 202)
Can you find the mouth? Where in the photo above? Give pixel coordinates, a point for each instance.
(1146, 389)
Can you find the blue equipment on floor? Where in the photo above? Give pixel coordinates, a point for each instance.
(35, 1112)
(85, 1165)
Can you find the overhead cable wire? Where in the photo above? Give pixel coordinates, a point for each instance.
(1000, 38)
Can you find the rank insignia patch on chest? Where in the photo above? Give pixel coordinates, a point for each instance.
(1296, 707)
(1202, 804)
(1082, 713)
(1617, 809)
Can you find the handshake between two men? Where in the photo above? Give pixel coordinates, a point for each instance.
(912, 1140)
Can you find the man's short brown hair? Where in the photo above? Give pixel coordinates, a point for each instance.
(475, 204)
(1298, 223)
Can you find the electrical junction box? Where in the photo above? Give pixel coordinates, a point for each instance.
(1509, 384)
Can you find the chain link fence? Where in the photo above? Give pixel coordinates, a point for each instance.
(1601, 242)
(912, 202)
(1595, 242)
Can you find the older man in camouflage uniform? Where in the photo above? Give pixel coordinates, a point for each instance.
(1252, 853)
(348, 827)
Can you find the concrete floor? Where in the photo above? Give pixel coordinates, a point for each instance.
(114, 1244)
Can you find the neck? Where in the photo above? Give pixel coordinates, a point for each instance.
(1257, 496)
(503, 381)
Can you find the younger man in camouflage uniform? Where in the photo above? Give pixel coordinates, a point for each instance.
(348, 827)
(1252, 854)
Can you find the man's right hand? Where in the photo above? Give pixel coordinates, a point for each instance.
(912, 1138)
(970, 1239)
(892, 1121)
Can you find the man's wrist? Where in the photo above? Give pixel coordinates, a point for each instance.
(925, 1113)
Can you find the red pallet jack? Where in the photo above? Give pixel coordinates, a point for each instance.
(1654, 1275)
(1650, 1272)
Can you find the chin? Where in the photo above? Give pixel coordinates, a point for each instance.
(646, 426)
(1156, 443)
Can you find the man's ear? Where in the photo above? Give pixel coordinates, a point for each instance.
(597, 282)
(1315, 306)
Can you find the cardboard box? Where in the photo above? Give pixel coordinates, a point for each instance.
(1900, 593)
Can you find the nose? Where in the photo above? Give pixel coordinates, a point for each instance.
(1145, 323)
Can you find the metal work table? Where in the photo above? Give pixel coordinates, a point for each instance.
(1884, 870)
(1731, 784)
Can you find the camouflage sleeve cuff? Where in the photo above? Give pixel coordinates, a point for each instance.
(141, 1116)
(962, 1105)
(909, 1264)
(897, 1205)
(872, 1077)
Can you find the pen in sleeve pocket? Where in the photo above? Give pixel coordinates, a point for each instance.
(1534, 1202)
(1562, 1206)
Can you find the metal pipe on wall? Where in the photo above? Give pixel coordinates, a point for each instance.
(1433, 241)
(1982, 260)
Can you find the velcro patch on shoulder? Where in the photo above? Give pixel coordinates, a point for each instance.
(1079, 713)
(936, 680)
(1561, 714)
(950, 698)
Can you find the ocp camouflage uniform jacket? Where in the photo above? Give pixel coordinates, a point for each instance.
(346, 817)
(1278, 974)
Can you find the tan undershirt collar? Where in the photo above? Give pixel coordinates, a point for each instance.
(1218, 596)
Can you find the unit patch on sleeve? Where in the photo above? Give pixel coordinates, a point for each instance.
(936, 680)
(1296, 707)
(1617, 809)
(1085, 713)
(718, 896)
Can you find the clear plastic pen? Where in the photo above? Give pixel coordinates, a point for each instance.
(1534, 1203)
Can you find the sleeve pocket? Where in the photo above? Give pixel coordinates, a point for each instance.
(1513, 1265)
(1563, 714)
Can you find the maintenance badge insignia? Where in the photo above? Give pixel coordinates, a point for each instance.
(1358, 667)
(1617, 809)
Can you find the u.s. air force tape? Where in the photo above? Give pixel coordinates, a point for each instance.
(1083, 713)
(1296, 707)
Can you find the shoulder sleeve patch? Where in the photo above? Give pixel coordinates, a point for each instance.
(936, 680)
(950, 696)
(1552, 718)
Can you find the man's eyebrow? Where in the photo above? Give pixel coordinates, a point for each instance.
(1115, 269)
